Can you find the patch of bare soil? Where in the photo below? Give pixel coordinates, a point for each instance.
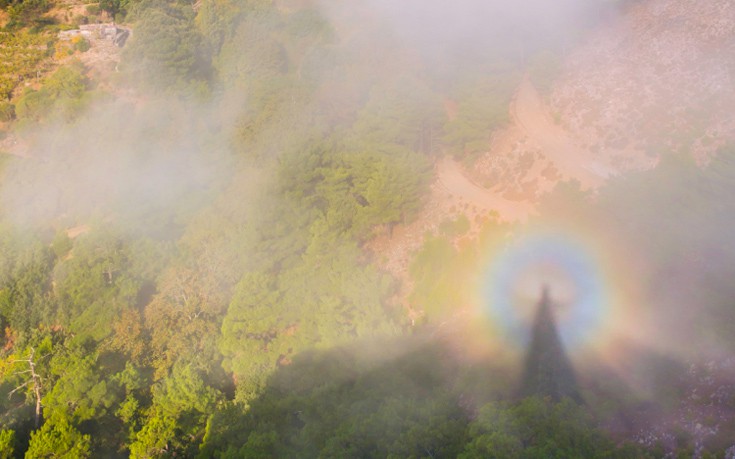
(453, 181)
(525, 160)
(15, 146)
(453, 194)
(77, 231)
(102, 60)
(534, 152)
(555, 144)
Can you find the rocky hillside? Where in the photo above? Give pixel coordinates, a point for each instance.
(659, 78)
(656, 78)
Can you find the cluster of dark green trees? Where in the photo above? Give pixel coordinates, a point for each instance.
(127, 338)
(407, 397)
(215, 314)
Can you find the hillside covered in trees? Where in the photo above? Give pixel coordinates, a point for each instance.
(258, 229)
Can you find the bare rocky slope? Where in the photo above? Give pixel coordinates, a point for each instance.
(656, 79)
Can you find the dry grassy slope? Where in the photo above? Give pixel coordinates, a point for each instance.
(659, 78)
(103, 56)
(100, 61)
(69, 11)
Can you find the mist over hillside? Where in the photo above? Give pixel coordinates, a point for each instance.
(315, 228)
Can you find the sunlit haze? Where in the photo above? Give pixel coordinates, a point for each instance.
(367, 228)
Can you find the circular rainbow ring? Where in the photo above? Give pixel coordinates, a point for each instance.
(512, 282)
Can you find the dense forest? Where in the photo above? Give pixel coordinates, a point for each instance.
(185, 268)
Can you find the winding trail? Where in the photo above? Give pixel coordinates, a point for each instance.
(455, 193)
(531, 117)
(454, 182)
(529, 113)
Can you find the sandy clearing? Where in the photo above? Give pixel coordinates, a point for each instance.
(451, 178)
(572, 161)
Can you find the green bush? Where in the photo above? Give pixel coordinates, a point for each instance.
(61, 245)
(62, 94)
(21, 54)
(82, 45)
(7, 442)
(33, 104)
(7, 111)
(79, 19)
(454, 228)
(28, 11)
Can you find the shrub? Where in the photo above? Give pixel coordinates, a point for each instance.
(7, 111)
(81, 44)
(33, 104)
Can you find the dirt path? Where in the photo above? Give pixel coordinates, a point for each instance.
(455, 192)
(572, 161)
(532, 120)
(454, 182)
